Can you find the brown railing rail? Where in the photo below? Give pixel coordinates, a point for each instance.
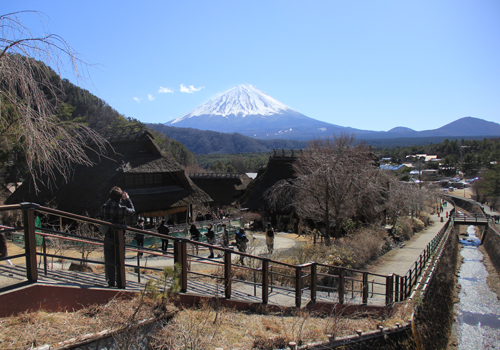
(316, 281)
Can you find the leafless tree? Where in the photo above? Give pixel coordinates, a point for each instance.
(27, 116)
(334, 181)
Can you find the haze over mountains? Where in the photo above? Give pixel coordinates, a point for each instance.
(250, 112)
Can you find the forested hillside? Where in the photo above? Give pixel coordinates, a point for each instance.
(73, 105)
(208, 142)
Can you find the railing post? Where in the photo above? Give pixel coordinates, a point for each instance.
(341, 286)
(314, 281)
(30, 244)
(298, 286)
(184, 267)
(365, 288)
(265, 281)
(396, 292)
(121, 281)
(389, 286)
(227, 273)
(44, 247)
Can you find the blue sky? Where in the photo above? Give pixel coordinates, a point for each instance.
(370, 65)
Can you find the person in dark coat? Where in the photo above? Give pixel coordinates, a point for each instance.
(225, 236)
(241, 243)
(210, 239)
(164, 230)
(117, 210)
(270, 238)
(195, 236)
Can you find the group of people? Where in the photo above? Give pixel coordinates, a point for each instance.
(119, 209)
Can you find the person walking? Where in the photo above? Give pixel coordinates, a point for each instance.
(210, 240)
(118, 209)
(195, 236)
(225, 236)
(164, 230)
(241, 243)
(270, 238)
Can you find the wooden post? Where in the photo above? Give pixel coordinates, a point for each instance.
(314, 281)
(341, 286)
(396, 292)
(121, 281)
(265, 281)
(227, 273)
(30, 244)
(298, 286)
(184, 269)
(365, 288)
(389, 287)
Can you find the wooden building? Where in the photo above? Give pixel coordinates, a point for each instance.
(157, 184)
(223, 188)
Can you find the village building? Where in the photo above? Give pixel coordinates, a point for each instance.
(279, 168)
(156, 183)
(223, 188)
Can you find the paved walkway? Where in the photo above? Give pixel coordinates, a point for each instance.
(399, 261)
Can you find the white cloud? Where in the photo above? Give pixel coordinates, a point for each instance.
(190, 89)
(150, 97)
(138, 100)
(165, 90)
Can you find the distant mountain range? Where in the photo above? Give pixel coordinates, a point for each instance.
(250, 112)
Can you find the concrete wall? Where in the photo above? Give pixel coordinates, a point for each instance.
(491, 243)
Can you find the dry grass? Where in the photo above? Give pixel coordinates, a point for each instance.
(195, 328)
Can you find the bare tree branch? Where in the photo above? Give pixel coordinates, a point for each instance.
(27, 116)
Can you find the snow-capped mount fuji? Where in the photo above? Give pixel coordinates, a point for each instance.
(241, 101)
(251, 112)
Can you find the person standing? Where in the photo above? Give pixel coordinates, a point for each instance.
(225, 236)
(118, 209)
(195, 236)
(139, 237)
(4, 252)
(164, 230)
(270, 238)
(241, 243)
(210, 240)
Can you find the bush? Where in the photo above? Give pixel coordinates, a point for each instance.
(424, 217)
(403, 229)
(417, 225)
(354, 250)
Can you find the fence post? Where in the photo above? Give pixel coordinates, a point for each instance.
(298, 286)
(389, 285)
(121, 281)
(44, 247)
(184, 267)
(341, 286)
(227, 273)
(265, 281)
(314, 281)
(365, 288)
(396, 292)
(30, 244)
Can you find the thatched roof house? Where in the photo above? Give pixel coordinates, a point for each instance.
(157, 185)
(223, 188)
(279, 168)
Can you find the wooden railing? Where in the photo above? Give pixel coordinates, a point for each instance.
(316, 281)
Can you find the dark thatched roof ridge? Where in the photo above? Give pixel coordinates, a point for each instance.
(279, 167)
(132, 153)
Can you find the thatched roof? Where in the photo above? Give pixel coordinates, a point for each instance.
(154, 182)
(279, 167)
(223, 188)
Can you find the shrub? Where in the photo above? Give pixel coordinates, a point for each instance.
(403, 229)
(417, 225)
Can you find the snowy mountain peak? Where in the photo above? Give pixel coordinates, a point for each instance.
(240, 101)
